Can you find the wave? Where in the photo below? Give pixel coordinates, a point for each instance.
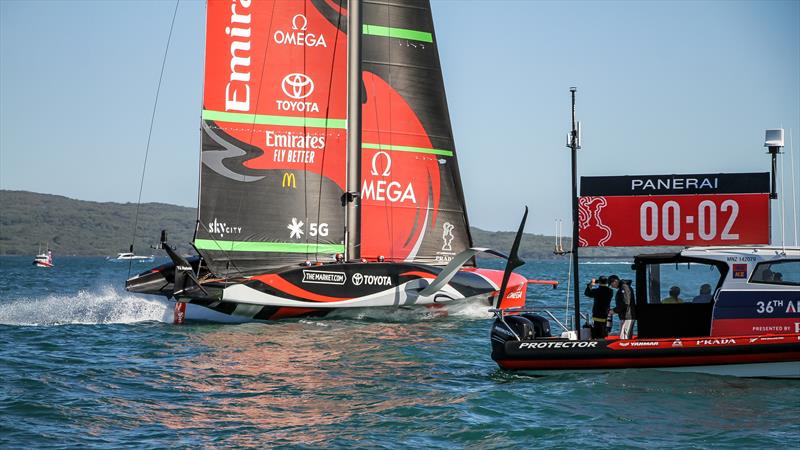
(464, 310)
(104, 306)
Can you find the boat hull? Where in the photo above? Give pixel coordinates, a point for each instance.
(319, 290)
(744, 356)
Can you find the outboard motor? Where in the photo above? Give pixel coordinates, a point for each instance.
(510, 329)
(541, 326)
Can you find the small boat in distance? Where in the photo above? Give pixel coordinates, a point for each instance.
(128, 256)
(43, 259)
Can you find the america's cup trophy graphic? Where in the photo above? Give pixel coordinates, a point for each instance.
(593, 233)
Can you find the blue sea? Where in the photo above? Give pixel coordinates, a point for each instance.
(85, 364)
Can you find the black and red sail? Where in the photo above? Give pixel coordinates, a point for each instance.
(273, 164)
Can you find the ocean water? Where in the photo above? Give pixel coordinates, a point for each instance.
(84, 364)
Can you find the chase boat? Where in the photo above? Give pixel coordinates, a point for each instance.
(727, 310)
(749, 326)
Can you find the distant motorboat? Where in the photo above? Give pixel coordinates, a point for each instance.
(44, 259)
(127, 256)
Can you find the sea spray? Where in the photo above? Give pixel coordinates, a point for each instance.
(103, 306)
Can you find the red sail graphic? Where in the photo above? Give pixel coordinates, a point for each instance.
(411, 196)
(399, 189)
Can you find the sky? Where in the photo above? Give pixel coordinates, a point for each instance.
(663, 87)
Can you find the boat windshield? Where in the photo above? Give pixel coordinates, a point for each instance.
(689, 282)
(786, 272)
(676, 297)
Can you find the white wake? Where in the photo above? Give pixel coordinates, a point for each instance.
(103, 306)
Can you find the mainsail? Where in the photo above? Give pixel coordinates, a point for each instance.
(412, 200)
(273, 164)
(273, 136)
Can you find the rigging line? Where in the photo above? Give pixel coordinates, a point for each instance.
(231, 261)
(569, 280)
(783, 202)
(327, 116)
(305, 164)
(150, 132)
(794, 186)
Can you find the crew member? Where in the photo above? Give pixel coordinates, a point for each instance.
(623, 306)
(602, 300)
(674, 296)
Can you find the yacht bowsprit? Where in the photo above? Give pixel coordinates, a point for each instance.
(329, 176)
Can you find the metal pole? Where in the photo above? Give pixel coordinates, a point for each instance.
(353, 213)
(576, 280)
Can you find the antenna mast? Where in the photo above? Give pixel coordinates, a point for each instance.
(573, 142)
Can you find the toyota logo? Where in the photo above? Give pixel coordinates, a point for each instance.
(357, 279)
(297, 85)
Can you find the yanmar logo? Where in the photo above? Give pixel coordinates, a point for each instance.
(322, 277)
(639, 344)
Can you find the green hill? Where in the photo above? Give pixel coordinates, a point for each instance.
(77, 227)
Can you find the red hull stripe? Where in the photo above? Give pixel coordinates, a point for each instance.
(419, 274)
(282, 285)
(285, 312)
(663, 361)
(548, 282)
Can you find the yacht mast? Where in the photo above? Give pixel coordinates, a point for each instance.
(351, 200)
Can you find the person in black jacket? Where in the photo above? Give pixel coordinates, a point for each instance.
(624, 306)
(602, 301)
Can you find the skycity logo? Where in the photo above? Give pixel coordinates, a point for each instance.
(382, 190)
(297, 86)
(298, 35)
(217, 227)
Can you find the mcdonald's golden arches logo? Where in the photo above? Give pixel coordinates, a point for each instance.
(288, 180)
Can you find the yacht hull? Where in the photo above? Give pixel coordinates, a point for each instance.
(320, 290)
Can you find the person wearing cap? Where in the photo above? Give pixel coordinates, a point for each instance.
(674, 293)
(623, 306)
(602, 301)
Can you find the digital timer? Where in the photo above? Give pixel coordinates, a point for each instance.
(714, 219)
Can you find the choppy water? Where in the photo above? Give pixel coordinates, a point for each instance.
(85, 364)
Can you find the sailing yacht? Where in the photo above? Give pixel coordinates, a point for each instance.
(329, 178)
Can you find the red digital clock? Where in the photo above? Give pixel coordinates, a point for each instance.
(672, 219)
